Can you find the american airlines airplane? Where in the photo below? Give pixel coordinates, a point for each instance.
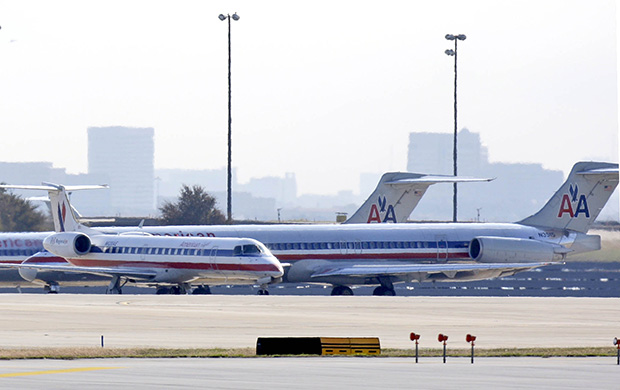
(149, 260)
(393, 200)
(384, 254)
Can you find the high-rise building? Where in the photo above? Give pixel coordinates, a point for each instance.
(518, 190)
(125, 157)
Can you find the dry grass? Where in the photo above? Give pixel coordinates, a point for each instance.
(507, 352)
(97, 353)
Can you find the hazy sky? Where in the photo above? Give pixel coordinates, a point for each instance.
(326, 89)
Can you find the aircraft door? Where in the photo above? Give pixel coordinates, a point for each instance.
(442, 248)
(343, 247)
(213, 259)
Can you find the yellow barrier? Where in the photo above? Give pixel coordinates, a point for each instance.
(350, 346)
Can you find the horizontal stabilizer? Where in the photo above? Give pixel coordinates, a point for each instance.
(434, 179)
(54, 187)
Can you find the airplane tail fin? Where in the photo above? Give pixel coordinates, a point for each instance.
(63, 214)
(397, 194)
(579, 200)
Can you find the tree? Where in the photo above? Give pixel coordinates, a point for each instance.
(194, 207)
(19, 215)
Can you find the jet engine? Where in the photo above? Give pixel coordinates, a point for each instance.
(514, 250)
(68, 244)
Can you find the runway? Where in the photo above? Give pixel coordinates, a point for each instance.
(169, 321)
(312, 373)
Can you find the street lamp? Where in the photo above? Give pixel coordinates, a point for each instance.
(450, 52)
(229, 188)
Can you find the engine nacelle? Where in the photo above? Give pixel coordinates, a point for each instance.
(514, 250)
(67, 245)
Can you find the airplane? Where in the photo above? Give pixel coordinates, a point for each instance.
(168, 263)
(384, 254)
(393, 200)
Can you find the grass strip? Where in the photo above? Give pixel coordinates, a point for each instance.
(98, 353)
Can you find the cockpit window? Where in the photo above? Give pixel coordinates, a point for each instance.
(247, 250)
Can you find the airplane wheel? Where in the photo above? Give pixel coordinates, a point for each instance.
(342, 290)
(162, 291)
(263, 292)
(383, 291)
(176, 290)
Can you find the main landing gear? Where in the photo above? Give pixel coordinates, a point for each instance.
(386, 288)
(116, 285)
(383, 291)
(342, 290)
(181, 289)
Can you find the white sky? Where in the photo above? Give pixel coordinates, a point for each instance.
(325, 89)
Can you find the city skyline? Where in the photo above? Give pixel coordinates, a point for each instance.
(328, 90)
(122, 157)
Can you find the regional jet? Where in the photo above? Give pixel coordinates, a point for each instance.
(143, 259)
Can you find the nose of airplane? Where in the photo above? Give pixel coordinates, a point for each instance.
(276, 269)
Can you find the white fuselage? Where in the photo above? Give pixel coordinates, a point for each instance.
(174, 259)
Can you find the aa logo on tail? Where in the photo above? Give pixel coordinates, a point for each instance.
(574, 204)
(62, 214)
(387, 210)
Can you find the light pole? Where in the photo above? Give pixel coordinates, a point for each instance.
(450, 52)
(229, 187)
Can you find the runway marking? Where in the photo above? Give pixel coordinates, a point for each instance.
(56, 371)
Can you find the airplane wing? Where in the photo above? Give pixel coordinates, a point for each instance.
(132, 272)
(424, 272)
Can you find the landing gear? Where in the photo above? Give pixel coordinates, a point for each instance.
(162, 291)
(201, 290)
(116, 285)
(181, 289)
(386, 288)
(51, 288)
(342, 290)
(263, 291)
(384, 291)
